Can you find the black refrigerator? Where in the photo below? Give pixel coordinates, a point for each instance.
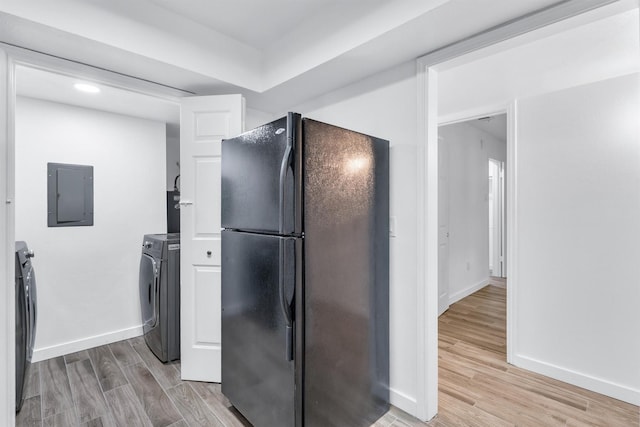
(305, 274)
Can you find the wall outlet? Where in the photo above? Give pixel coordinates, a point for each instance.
(392, 226)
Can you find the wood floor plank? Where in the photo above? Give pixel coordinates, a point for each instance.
(126, 408)
(32, 385)
(166, 373)
(155, 402)
(30, 415)
(192, 407)
(124, 353)
(107, 370)
(104, 421)
(76, 357)
(457, 413)
(219, 404)
(86, 391)
(55, 389)
(62, 419)
(385, 421)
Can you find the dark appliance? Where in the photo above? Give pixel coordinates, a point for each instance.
(160, 294)
(305, 274)
(26, 297)
(173, 207)
(173, 211)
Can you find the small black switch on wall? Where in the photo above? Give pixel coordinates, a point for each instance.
(69, 195)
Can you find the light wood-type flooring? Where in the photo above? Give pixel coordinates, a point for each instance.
(123, 384)
(478, 388)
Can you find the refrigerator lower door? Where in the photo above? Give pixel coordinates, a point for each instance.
(258, 281)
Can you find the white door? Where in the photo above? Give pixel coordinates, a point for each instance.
(496, 218)
(204, 122)
(443, 226)
(503, 221)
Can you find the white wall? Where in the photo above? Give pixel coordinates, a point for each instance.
(589, 53)
(173, 154)
(87, 277)
(468, 170)
(254, 118)
(578, 230)
(385, 106)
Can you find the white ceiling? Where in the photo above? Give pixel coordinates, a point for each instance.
(278, 53)
(36, 83)
(256, 23)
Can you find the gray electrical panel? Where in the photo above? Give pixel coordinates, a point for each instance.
(69, 195)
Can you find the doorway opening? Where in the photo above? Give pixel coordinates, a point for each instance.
(123, 136)
(471, 158)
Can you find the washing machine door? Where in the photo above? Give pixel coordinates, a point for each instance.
(31, 306)
(22, 338)
(149, 297)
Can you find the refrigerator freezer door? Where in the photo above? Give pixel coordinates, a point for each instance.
(259, 179)
(346, 277)
(258, 281)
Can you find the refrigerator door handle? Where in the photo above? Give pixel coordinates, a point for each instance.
(284, 167)
(285, 306)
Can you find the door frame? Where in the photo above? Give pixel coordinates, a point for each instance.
(496, 39)
(16, 56)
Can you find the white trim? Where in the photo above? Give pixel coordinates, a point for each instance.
(511, 219)
(427, 248)
(607, 388)
(427, 189)
(402, 401)
(422, 407)
(467, 291)
(7, 250)
(85, 343)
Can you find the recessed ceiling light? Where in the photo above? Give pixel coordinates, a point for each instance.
(84, 87)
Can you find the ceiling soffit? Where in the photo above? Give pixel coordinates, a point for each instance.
(259, 50)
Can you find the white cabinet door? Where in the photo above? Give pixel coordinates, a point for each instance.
(204, 122)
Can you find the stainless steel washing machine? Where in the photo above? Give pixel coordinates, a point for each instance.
(25, 284)
(160, 294)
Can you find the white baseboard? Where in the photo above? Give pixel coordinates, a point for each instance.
(402, 401)
(45, 353)
(453, 298)
(598, 385)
